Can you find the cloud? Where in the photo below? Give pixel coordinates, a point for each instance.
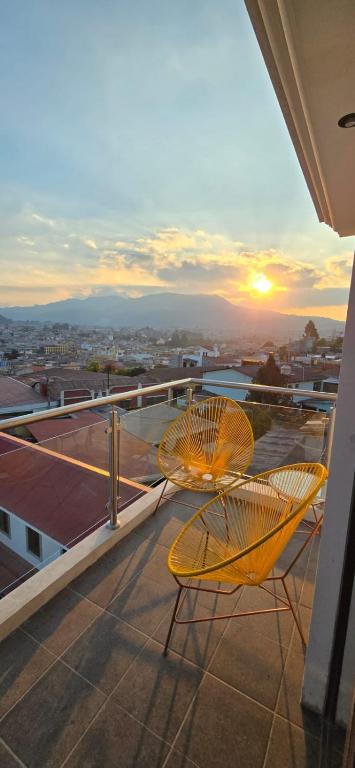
(90, 244)
(43, 220)
(25, 240)
(337, 273)
(60, 259)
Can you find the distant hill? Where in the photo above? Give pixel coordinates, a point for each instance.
(173, 310)
(4, 320)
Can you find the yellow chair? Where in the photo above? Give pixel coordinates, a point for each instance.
(237, 537)
(208, 448)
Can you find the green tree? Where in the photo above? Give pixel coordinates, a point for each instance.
(130, 371)
(337, 344)
(269, 375)
(93, 366)
(310, 331)
(12, 355)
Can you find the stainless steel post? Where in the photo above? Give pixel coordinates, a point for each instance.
(114, 445)
(190, 395)
(330, 434)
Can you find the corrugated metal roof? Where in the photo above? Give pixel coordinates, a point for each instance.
(54, 494)
(15, 392)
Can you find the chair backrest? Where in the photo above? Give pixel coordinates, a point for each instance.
(213, 436)
(250, 525)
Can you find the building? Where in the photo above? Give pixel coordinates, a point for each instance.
(68, 461)
(311, 379)
(56, 349)
(18, 397)
(240, 375)
(200, 357)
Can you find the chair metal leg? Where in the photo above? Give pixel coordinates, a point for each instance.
(172, 622)
(294, 613)
(160, 497)
(313, 532)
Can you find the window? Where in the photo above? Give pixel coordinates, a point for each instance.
(330, 386)
(33, 542)
(4, 522)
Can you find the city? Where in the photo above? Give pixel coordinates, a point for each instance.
(177, 377)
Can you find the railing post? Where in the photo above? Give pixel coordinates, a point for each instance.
(330, 434)
(190, 395)
(170, 395)
(114, 459)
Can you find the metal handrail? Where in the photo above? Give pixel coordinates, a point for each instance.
(64, 410)
(267, 388)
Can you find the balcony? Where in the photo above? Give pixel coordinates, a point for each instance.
(89, 668)
(84, 681)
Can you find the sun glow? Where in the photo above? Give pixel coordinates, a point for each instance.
(261, 284)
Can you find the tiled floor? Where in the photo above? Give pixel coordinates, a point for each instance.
(84, 682)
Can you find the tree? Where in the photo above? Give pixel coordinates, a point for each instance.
(270, 375)
(108, 368)
(130, 371)
(283, 352)
(310, 331)
(137, 370)
(337, 344)
(12, 355)
(93, 366)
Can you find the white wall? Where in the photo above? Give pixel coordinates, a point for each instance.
(305, 385)
(334, 531)
(17, 541)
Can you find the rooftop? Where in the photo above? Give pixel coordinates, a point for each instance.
(84, 681)
(40, 485)
(312, 373)
(44, 430)
(16, 392)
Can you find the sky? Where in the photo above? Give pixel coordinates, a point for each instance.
(142, 150)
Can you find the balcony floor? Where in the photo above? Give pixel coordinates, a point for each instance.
(84, 681)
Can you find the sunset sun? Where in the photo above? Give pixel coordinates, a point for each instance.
(261, 284)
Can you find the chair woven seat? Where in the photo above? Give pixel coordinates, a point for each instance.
(238, 536)
(209, 447)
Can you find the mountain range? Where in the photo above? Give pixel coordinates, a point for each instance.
(170, 311)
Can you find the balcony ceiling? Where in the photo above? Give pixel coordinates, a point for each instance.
(309, 50)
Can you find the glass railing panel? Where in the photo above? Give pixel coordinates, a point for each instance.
(49, 500)
(58, 487)
(82, 437)
(140, 434)
(285, 435)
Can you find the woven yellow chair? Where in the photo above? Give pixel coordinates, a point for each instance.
(208, 448)
(237, 537)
